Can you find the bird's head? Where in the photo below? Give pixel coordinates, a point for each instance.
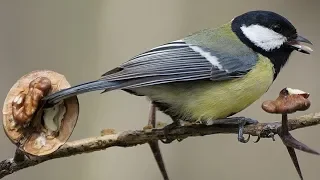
(268, 32)
(271, 35)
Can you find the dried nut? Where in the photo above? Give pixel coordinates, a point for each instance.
(35, 130)
(25, 105)
(289, 101)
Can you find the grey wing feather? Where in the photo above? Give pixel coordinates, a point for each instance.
(178, 61)
(173, 62)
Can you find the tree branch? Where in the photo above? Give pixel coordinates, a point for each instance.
(133, 138)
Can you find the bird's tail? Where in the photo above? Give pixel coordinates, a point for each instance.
(80, 89)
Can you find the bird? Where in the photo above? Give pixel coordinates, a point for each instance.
(208, 75)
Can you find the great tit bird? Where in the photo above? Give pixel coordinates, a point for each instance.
(211, 74)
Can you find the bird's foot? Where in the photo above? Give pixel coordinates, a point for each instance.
(166, 130)
(271, 135)
(239, 121)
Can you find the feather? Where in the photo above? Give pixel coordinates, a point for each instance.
(180, 60)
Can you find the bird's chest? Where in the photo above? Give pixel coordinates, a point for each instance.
(222, 99)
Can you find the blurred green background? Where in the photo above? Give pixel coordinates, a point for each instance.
(82, 39)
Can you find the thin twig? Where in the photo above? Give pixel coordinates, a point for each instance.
(154, 145)
(133, 138)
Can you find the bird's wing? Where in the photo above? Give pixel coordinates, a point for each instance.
(177, 61)
(182, 61)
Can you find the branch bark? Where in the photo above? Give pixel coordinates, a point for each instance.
(138, 137)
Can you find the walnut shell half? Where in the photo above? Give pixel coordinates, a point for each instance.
(31, 128)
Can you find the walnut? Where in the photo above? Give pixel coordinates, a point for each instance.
(25, 104)
(33, 129)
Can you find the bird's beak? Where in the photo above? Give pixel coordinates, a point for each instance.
(296, 44)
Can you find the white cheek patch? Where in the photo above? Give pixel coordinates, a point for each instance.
(263, 37)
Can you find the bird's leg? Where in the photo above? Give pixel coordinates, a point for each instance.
(154, 145)
(239, 121)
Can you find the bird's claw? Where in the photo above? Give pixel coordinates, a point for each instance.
(242, 122)
(270, 135)
(242, 139)
(166, 130)
(235, 121)
(257, 140)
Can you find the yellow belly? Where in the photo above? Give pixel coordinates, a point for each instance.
(213, 100)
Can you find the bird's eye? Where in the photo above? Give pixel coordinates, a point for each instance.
(276, 28)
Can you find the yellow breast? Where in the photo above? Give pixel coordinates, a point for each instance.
(219, 100)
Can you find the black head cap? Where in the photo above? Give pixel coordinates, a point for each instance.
(269, 34)
(269, 20)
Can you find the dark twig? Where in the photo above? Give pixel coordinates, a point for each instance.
(295, 161)
(285, 135)
(133, 138)
(154, 145)
(291, 143)
(19, 156)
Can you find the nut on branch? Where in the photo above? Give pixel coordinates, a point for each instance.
(288, 101)
(25, 104)
(34, 130)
